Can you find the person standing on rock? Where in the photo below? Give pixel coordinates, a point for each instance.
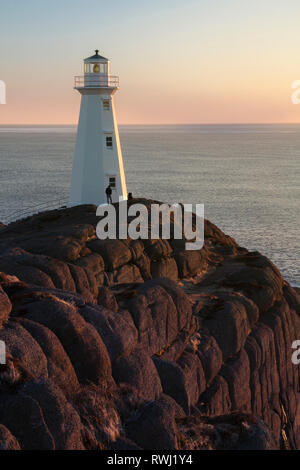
(108, 194)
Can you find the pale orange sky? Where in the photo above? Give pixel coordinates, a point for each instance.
(205, 61)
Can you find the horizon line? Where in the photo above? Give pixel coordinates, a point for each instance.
(160, 124)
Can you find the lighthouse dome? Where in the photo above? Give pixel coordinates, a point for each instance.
(96, 58)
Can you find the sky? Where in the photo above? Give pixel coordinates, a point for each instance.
(179, 61)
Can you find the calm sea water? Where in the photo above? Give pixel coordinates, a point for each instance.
(246, 175)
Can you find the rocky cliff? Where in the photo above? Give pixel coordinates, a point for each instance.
(130, 344)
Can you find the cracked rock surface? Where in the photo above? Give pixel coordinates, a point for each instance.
(139, 344)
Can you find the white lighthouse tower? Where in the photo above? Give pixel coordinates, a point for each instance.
(98, 158)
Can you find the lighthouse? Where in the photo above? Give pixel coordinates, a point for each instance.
(98, 161)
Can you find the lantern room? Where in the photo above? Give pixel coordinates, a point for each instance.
(96, 64)
(96, 74)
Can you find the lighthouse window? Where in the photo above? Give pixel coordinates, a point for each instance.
(112, 181)
(109, 141)
(106, 105)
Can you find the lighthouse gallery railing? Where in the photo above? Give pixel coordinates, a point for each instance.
(109, 81)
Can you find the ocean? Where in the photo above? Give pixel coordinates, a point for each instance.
(247, 177)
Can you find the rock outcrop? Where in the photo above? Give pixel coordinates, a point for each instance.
(139, 344)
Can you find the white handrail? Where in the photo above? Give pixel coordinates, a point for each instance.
(97, 81)
(31, 210)
(34, 206)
